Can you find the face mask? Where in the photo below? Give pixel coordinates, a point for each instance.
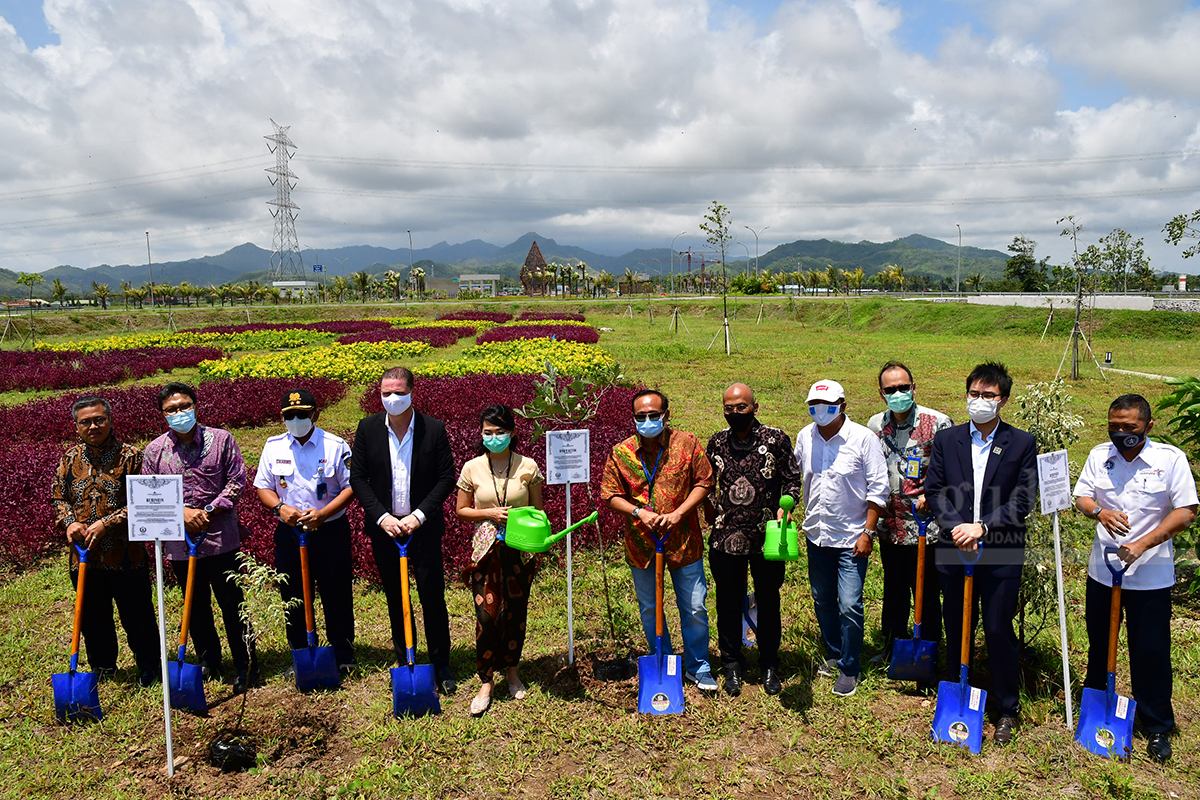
(1126, 441)
(739, 423)
(397, 404)
(650, 428)
(899, 402)
(497, 443)
(982, 411)
(298, 427)
(182, 421)
(824, 414)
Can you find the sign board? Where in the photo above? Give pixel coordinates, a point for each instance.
(155, 504)
(1054, 481)
(318, 267)
(568, 456)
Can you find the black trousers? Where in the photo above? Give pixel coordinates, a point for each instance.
(212, 580)
(729, 578)
(130, 590)
(426, 567)
(996, 602)
(1147, 616)
(331, 571)
(899, 592)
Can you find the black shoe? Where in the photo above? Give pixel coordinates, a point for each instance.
(289, 675)
(245, 679)
(446, 682)
(733, 681)
(210, 673)
(771, 683)
(1005, 726)
(1158, 747)
(147, 678)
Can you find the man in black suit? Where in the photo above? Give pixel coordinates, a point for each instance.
(402, 471)
(981, 484)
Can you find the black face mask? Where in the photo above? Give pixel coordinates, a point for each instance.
(1125, 441)
(740, 423)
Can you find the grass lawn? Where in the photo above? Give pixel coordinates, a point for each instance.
(576, 736)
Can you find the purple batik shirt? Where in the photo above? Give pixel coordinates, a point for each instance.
(213, 472)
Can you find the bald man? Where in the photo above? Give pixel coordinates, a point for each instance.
(754, 466)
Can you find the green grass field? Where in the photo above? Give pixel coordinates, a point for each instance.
(579, 737)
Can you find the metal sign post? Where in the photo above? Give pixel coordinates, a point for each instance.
(1054, 482)
(568, 461)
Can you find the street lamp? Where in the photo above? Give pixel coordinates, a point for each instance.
(681, 233)
(747, 249)
(958, 274)
(747, 227)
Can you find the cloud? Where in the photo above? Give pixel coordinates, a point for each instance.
(606, 123)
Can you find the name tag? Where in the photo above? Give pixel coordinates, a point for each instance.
(912, 467)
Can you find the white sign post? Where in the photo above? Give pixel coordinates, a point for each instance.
(569, 460)
(155, 504)
(1054, 483)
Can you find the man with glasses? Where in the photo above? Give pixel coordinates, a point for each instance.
(906, 431)
(657, 479)
(214, 476)
(981, 485)
(304, 479)
(754, 467)
(88, 496)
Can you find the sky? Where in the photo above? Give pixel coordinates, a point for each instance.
(608, 124)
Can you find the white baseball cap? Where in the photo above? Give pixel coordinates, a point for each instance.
(826, 392)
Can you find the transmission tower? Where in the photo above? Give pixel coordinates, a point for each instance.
(286, 261)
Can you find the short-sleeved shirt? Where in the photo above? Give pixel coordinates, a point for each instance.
(295, 471)
(1158, 481)
(751, 475)
(682, 467)
(89, 486)
(906, 448)
(841, 476)
(483, 483)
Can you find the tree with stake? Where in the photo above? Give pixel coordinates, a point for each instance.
(716, 227)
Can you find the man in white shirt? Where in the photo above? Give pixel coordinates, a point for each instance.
(1141, 493)
(845, 488)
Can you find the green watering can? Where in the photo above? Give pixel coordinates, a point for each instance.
(783, 542)
(528, 529)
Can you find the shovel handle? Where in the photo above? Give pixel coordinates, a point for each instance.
(658, 593)
(964, 657)
(78, 625)
(187, 601)
(920, 588)
(406, 602)
(310, 622)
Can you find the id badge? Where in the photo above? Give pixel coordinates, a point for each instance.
(322, 489)
(912, 467)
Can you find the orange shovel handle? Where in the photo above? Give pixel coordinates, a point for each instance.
(187, 601)
(310, 620)
(78, 609)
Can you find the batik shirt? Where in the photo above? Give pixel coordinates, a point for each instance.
(89, 485)
(751, 474)
(681, 468)
(906, 448)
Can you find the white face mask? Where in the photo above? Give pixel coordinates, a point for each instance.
(396, 404)
(298, 427)
(823, 414)
(982, 411)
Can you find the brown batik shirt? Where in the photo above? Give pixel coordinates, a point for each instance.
(752, 474)
(89, 485)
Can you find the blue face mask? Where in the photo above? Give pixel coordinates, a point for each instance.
(650, 428)
(497, 443)
(182, 421)
(824, 414)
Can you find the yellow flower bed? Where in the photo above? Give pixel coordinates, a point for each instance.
(252, 340)
(544, 322)
(354, 363)
(414, 322)
(524, 356)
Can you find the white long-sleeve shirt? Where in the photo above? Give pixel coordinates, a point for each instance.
(841, 476)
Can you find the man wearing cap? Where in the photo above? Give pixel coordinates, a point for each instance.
(845, 489)
(304, 479)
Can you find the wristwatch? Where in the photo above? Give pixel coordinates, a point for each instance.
(276, 507)
(637, 510)
(1095, 514)
(209, 509)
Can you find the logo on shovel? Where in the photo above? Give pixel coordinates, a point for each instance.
(660, 702)
(959, 732)
(1105, 738)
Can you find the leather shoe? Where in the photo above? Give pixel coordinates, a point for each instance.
(771, 683)
(733, 681)
(1004, 729)
(1158, 747)
(447, 683)
(247, 677)
(147, 678)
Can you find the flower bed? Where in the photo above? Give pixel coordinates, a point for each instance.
(477, 316)
(341, 326)
(524, 356)
(353, 363)
(564, 333)
(441, 336)
(71, 369)
(254, 340)
(541, 316)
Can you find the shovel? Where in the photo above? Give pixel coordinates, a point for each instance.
(414, 688)
(660, 676)
(186, 680)
(958, 718)
(749, 620)
(915, 659)
(1106, 718)
(316, 667)
(76, 694)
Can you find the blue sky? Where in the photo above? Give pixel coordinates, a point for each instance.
(29, 20)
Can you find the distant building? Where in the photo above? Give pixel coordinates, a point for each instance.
(484, 284)
(533, 274)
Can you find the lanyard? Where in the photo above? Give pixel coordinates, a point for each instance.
(650, 476)
(503, 501)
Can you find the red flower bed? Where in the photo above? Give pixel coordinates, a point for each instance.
(46, 369)
(333, 326)
(549, 315)
(565, 333)
(434, 337)
(478, 316)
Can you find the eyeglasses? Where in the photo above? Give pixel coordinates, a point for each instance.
(297, 414)
(983, 395)
(903, 387)
(177, 409)
(94, 422)
(653, 416)
(740, 408)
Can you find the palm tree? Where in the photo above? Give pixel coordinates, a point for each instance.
(362, 282)
(391, 283)
(139, 295)
(101, 292)
(976, 280)
(254, 291)
(856, 279)
(338, 288)
(213, 292)
(832, 276)
(416, 277)
(126, 286)
(58, 292)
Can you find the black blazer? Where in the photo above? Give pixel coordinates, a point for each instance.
(431, 479)
(1009, 491)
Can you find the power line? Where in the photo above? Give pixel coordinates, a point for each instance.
(165, 176)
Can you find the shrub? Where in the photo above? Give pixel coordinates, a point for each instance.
(524, 357)
(70, 369)
(331, 326)
(564, 333)
(486, 316)
(432, 336)
(353, 363)
(539, 316)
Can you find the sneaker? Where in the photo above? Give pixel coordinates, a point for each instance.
(846, 685)
(828, 668)
(879, 660)
(704, 681)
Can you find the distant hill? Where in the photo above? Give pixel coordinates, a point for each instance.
(916, 253)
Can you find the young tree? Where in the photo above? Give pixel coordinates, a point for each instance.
(1184, 226)
(30, 279)
(1023, 268)
(1122, 258)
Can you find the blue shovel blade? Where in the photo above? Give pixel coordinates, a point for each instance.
(316, 668)
(958, 718)
(660, 685)
(913, 660)
(76, 696)
(414, 691)
(186, 683)
(1106, 729)
(749, 621)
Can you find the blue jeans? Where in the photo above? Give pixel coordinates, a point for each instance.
(837, 590)
(691, 591)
